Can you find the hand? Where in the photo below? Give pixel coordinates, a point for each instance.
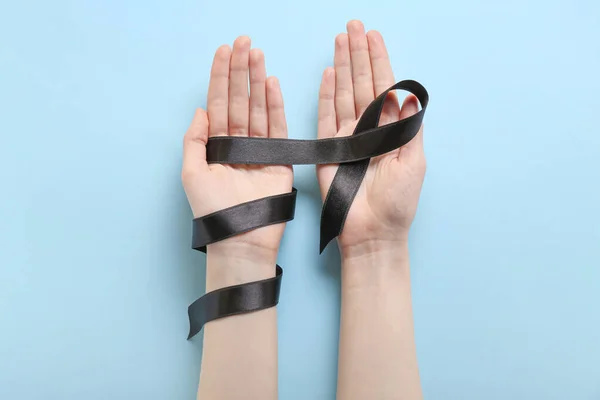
(231, 111)
(386, 202)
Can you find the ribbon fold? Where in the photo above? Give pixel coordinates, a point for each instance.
(353, 153)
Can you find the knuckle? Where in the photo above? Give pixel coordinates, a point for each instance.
(362, 75)
(190, 138)
(358, 47)
(257, 77)
(186, 139)
(326, 95)
(276, 106)
(324, 115)
(238, 130)
(258, 108)
(238, 100)
(344, 94)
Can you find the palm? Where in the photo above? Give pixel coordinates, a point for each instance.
(229, 185)
(234, 112)
(385, 204)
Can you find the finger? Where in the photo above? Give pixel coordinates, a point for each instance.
(327, 123)
(217, 101)
(194, 146)
(391, 110)
(258, 95)
(410, 106)
(344, 93)
(238, 87)
(383, 76)
(277, 124)
(362, 76)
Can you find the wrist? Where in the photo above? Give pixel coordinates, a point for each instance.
(375, 250)
(242, 251)
(234, 263)
(375, 265)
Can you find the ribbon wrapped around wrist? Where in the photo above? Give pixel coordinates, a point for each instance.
(353, 153)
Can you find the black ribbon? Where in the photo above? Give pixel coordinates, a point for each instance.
(353, 153)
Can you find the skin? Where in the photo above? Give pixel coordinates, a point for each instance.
(377, 356)
(234, 365)
(377, 353)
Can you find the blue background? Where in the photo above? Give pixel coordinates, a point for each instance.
(96, 270)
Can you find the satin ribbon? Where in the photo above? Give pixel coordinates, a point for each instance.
(353, 153)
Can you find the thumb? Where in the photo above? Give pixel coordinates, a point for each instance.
(194, 145)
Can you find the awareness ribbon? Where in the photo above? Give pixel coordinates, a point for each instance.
(352, 153)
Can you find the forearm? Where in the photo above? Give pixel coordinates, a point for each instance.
(239, 359)
(377, 355)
